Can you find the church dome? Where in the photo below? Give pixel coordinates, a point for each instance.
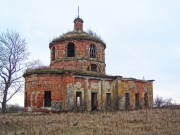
(78, 34)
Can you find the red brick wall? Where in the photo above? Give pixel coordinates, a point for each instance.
(59, 84)
(126, 86)
(81, 61)
(37, 84)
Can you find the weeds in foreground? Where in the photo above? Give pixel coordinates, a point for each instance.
(141, 122)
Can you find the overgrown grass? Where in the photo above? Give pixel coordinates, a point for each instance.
(49, 70)
(78, 35)
(142, 122)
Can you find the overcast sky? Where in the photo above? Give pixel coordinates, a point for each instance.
(142, 36)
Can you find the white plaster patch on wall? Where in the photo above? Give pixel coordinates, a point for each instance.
(70, 97)
(94, 86)
(34, 96)
(78, 85)
(107, 86)
(145, 89)
(69, 86)
(132, 85)
(29, 109)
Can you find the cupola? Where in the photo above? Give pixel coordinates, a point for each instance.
(78, 24)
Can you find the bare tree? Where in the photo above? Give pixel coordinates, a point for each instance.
(168, 102)
(13, 54)
(158, 102)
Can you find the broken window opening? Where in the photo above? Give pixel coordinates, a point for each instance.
(47, 98)
(127, 101)
(108, 99)
(53, 54)
(71, 50)
(92, 51)
(94, 67)
(94, 102)
(78, 99)
(145, 99)
(137, 100)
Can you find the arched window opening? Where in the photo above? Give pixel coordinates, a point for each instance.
(92, 51)
(93, 67)
(71, 50)
(53, 53)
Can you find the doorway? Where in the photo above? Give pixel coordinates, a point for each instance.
(78, 100)
(136, 100)
(47, 98)
(146, 100)
(94, 102)
(108, 101)
(127, 101)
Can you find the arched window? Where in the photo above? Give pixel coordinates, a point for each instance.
(71, 50)
(53, 53)
(93, 67)
(92, 51)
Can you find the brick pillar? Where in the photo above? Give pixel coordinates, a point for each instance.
(102, 95)
(86, 95)
(69, 91)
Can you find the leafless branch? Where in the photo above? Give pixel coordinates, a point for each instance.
(17, 90)
(13, 54)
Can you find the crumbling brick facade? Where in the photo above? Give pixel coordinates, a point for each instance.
(76, 79)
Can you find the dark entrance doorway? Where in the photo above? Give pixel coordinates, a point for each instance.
(108, 101)
(78, 100)
(94, 101)
(127, 102)
(137, 100)
(146, 100)
(47, 98)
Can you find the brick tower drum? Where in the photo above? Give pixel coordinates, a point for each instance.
(78, 51)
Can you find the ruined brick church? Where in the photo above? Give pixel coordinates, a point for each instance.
(76, 79)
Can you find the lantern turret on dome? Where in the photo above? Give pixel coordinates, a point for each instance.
(78, 24)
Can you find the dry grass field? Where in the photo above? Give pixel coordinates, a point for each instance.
(142, 122)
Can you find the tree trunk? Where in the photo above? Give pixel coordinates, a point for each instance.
(3, 107)
(4, 101)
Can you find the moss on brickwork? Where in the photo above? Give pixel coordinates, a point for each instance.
(77, 35)
(48, 70)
